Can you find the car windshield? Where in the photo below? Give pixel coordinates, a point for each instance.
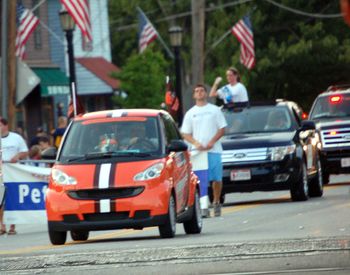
(111, 137)
(258, 119)
(337, 105)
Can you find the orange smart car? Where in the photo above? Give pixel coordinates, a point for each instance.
(122, 169)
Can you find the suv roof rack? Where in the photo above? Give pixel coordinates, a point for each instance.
(334, 88)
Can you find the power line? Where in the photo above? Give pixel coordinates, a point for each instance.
(188, 13)
(315, 15)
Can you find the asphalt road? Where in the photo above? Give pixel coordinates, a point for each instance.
(259, 233)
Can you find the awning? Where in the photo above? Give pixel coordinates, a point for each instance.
(27, 80)
(52, 81)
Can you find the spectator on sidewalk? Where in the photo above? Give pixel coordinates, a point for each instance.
(14, 148)
(58, 133)
(39, 133)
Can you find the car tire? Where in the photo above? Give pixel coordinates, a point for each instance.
(79, 235)
(316, 184)
(194, 225)
(300, 190)
(168, 229)
(57, 237)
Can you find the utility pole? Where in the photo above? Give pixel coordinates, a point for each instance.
(4, 86)
(198, 21)
(11, 67)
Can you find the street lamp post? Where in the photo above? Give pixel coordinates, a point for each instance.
(175, 33)
(68, 25)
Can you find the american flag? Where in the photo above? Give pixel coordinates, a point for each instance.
(244, 33)
(79, 10)
(26, 23)
(147, 33)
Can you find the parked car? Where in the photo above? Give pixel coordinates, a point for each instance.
(122, 169)
(331, 113)
(269, 147)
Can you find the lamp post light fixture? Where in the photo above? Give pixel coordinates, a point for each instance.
(175, 33)
(68, 26)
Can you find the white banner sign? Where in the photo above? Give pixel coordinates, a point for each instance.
(25, 193)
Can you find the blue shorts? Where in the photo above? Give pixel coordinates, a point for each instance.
(214, 166)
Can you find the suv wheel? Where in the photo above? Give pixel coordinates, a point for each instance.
(194, 225)
(325, 177)
(316, 184)
(168, 229)
(300, 189)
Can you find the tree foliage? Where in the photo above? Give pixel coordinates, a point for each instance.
(297, 55)
(142, 79)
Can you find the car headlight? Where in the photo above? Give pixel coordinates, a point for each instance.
(150, 173)
(62, 178)
(279, 152)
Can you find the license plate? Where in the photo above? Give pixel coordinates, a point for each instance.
(242, 174)
(345, 162)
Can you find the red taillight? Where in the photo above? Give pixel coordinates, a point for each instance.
(335, 99)
(304, 115)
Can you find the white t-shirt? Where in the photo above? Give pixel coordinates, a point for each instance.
(203, 122)
(237, 92)
(12, 145)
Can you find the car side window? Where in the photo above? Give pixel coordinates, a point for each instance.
(171, 131)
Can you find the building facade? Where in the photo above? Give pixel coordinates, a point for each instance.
(46, 56)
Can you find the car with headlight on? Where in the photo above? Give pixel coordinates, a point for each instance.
(126, 168)
(331, 113)
(268, 147)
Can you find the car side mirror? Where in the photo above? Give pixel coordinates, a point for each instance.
(307, 125)
(177, 145)
(49, 153)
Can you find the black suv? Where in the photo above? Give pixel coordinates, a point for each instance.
(268, 147)
(331, 114)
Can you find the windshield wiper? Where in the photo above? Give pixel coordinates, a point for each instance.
(99, 155)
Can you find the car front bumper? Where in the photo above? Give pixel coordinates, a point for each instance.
(265, 176)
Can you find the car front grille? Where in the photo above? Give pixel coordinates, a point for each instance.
(244, 155)
(105, 193)
(338, 137)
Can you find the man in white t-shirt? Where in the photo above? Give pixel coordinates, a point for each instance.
(233, 92)
(203, 126)
(14, 148)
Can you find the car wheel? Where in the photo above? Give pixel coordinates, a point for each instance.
(168, 229)
(300, 189)
(316, 184)
(194, 225)
(79, 235)
(57, 237)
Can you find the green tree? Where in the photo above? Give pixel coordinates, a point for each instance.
(297, 55)
(143, 80)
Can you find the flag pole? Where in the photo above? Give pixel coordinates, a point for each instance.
(74, 99)
(158, 35)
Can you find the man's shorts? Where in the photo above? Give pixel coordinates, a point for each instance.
(214, 166)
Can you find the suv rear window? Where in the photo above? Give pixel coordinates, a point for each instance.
(334, 105)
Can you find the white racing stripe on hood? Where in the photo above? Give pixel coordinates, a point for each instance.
(103, 182)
